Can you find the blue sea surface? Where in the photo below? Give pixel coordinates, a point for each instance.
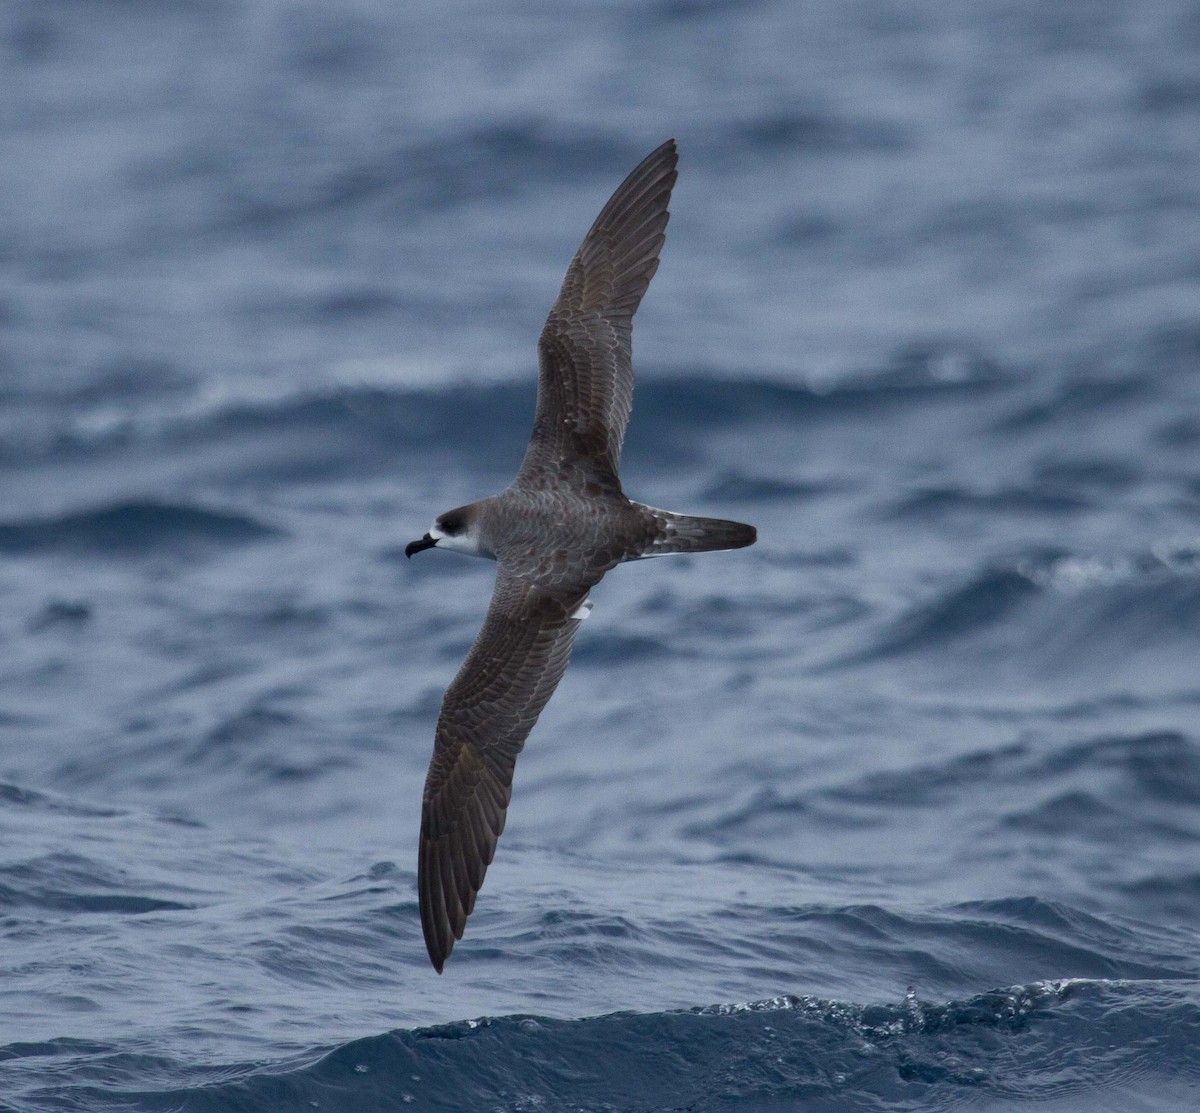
(897, 810)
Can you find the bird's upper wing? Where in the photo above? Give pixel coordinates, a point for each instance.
(509, 674)
(585, 384)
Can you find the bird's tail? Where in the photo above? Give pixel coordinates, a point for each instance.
(681, 533)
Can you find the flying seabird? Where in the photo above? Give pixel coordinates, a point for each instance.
(553, 533)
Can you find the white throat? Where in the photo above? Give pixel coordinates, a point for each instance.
(466, 542)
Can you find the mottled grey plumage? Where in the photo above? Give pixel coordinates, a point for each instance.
(555, 532)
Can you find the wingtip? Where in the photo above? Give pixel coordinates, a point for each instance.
(664, 157)
(436, 955)
(438, 951)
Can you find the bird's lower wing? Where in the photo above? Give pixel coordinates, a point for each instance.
(488, 711)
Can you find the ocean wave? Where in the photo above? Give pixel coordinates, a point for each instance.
(814, 127)
(604, 649)
(130, 529)
(350, 430)
(783, 1052)
(1162, 767)
(12, 795)
(734, 486)
(1074, 398)
(427, 174)
(1072, 573)
(1056, 489)
(956, 613)
(63, 882)
(935, 503)
(1072, 611)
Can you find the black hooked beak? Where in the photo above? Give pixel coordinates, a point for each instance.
(426, 542)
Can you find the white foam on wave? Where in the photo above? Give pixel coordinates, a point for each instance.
(1073, 574)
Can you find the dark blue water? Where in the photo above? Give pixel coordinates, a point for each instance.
(897, 810)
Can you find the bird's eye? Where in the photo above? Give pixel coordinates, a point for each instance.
(450, 525)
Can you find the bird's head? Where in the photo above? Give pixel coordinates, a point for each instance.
(455, 530)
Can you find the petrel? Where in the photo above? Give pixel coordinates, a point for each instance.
(562, 524)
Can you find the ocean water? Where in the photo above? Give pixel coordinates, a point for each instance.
(897, 810)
